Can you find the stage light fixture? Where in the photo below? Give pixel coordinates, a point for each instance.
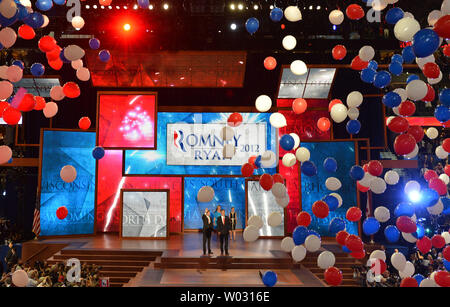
(233, 26)
(232, 6)
(318, 7)
(240, 6)
(110, 7)
(87, 7)
(127, 27)
(117, 7)
(150, 7)
(310, 7)
(166, 6)
(135, 7)
(125, 7)
(94, 6)
(255, 7)
(102, 7)
(414, 196)
(271, 7)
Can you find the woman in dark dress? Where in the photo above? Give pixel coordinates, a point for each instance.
(233, 219)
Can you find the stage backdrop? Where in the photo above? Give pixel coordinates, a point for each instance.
(313, 188)
(229, 192)
(62, 148)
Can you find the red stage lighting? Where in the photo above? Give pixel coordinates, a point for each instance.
(127, 27)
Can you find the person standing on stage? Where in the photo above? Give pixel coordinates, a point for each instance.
(207, 228)
(233, 219)
(216, 216)
(223, 228)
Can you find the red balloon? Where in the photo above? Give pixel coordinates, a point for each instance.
(354, 12)
(438, 185)
(323, 124)
(358, 64)
(3, 106)
(303, 219)
(438, 241)
(446, 144)
(424, 245)
(71, 90)
(320, 209)
(353, 214)
(430, 174)
(446, 253)
(354, 243)
(431, 70)
(277, 178)
(84, 123)
(11, 116)
(56, 64)
(339, 52)
(26, 32)
(404, 144)
(234, 120)
(341, 236)
(47, 44)
(442, 26)
(62, 212)
(299, 105)
(431, 94)
(247, 170)
(409, 282)
(27, 103)
(266, 182)
(416, 132)
(406, 224)
(270, 63)
(407, 108)
(54, 54)
(361, 188)
(398, 124)
(251, 160)
(333, 276)
(40, 103)
(378, 266)
(366, 167)
(105, 2)
(375, 168)
(446, 169)
(333, 103)
(447, 50)
(358, 254)
(442, 278)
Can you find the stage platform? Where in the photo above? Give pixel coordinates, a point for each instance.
(178, 261)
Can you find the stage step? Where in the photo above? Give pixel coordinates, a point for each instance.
(110, 252)
(135, 269)
(117, 274)
(220, 259)
(105, 257)
(106, 262)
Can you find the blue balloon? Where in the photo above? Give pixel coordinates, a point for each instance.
(412, 78)
(252, 25)
(425, 43)
(309, 168)
(143, 4)
(5, 22)
(429, 197)
(59, 2)
(447, 265)
(368, 75)
(396, 68)
(446, 202)
(394, 15)
(269, 278)
(34, 20)
(444, 97)
(382, 79)
(397, 58)
(373, 65)
(287, 142)
(353, 126)
(22, 12)
(345, 249)
(420, 232)
(299, 235)
(404, 209)
(392, 234)
(392, 99)
(442, 113)
(10, 161)
(315, 233)
(332, 202)
(330, 164)
(357, 172)
(104, 55)
(94, 43)
(419, 278)
(98, 153)
(408, 55)
(276, 14)
(37, 69)
(258, 161)
(62, 57)
(44, 5)
(337, 224)
(18, 63)
(371, 226)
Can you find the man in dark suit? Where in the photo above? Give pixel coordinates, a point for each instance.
(11, 258)
(223, 228)
(207, 229)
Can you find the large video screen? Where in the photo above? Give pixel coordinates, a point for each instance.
(127, 121)
(61, 148)
(228, 192)
(189, 144)
(313, 188)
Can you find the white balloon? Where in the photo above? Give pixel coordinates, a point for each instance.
(413, 153)
(228, 151)
(379, 5)
(14, 73)
(382, 214)
(434, 16)
(325, 260)
(408, 15)
(339, 198)
(20, 278)
(416, 90)
(250, 234)
(8, 8)
(50, 109)
(412, 186)
(377, 185)
(353, 113)
(77, 64)
(227, 133)
(83, 74)
(6, 90)
(432, 133)
(292, 13)
(8, 37)
(422, 61)
(298, 67)
(444, 178)
(255, 221)
(445, 7)
(289, 160)
(78, 22)
(283, 202)
(296, 140)
(396, 111)
(398, 261)
(336, 17)
(402, 93)
(205, 194)
(275, 219)
(277, 120)
(68, 173)
(441, 153)
(391, 177)
(446, 236)
(73, 53)
(354, 99)
(57, 93)
(409, 237)
(279, 190)
(287, 244)
(302, 154)
(263, 103)
(338, 112)
(46, 21)
(5, 154)
(333, 184)
(436, 209)
(312, 243)
(367, 53)
(269, 159)
(365, 182)
(298, 253)
(26, 3)
(434, 81)
(289, 42)
(428, 283)
(378, 254)
(405, 29)
(408, 271)
(388, 120)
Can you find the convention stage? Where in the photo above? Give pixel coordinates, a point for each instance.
(178, 261)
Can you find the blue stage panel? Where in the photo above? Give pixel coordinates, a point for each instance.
(62, 148)
(229, 192)
(313, 188)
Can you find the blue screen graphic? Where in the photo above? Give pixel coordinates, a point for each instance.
(154, 162)
(313, 188)
(61, 148)
(228, 192)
